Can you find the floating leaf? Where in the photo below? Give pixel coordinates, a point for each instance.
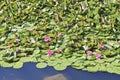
(60, 66)
(102, 67)
(41, 65)
(18, 65)
(28, 59)
(99, 61)
(5, 64)
(58, 55)
(7, 58)
(37, 51)
(52, 63)
(21, 55)
(93, 68)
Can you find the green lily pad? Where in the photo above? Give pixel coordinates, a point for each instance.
(77, 63)
(52, 63)
(60, 66)
(16, 59)
(21, 55)
(52, 58)
(78, 67)
(89, 63)
(99, 61)
(92, 69)
(102, 67)
(41, 65)
(65, 61)
(72, 59)
(45, 57)
(28, 59)
(58, 55)
(7, 58)
(18, 65)
(109, 59)
(5, 64)
(116, 70)
(35, 52)
(116, 64)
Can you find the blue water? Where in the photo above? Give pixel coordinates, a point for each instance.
(30, 72)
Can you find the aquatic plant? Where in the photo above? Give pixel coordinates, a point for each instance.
(83, 34)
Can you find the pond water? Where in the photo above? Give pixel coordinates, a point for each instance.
(30, 72)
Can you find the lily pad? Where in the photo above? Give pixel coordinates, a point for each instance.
(28, 59)
(102, 67)
(93, 69)
(5, 64)
(41, 65)
(18, 65)
(60, 66)
(52, 63)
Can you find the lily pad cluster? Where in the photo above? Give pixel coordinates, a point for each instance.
(84, 34)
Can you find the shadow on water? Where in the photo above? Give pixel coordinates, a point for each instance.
(30, 72)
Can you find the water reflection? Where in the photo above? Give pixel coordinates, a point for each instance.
(56, 77)
(30, 72)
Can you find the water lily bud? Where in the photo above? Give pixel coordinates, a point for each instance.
(59, 51)
(119, 41)
(59, 35)
(9, 46)
(31, 30)
(1, 11)
(111, 44)
(17, 40)
(18, 48)
(102, 45)
(47, 39)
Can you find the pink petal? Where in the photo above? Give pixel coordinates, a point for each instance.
(59, 35)
(111, 44)
(47, 39)
(31, 30)
(98, 56)
(59, 51)
(102, 45)
(17, 40)
(33, 41)
(9, 46)
(89, 52)
(49, 52)
(18, 48)
(119, 41)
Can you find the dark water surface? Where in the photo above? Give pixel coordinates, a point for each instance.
(30, 72)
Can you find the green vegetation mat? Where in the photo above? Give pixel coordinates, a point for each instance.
(84, 34)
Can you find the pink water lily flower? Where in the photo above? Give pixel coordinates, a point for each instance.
(119, 41)
(31, 30)
(59, 51)
(17, 39)
(111, 44)
(49, 52)
(98, 56)
(47, 39)
(59, 35)
(89, 52)
(9, 46)
(18, 48)
(33, 41)
(102, 45)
